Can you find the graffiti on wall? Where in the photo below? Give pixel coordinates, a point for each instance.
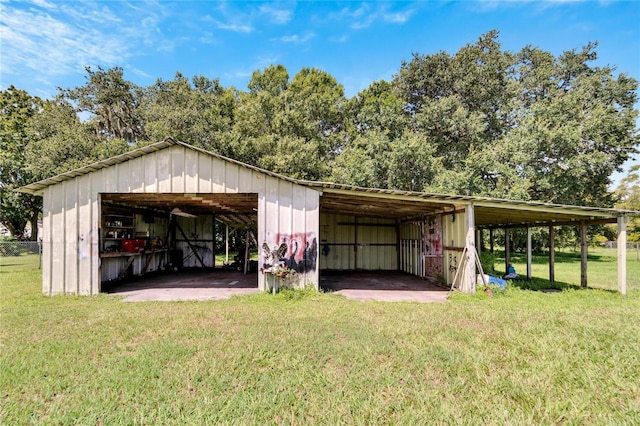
(298, 251)
(431, 229)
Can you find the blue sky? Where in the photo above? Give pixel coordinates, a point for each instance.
(47, 43)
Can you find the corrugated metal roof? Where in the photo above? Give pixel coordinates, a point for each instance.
(341, 190)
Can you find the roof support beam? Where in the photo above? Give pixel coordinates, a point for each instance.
(622, 254)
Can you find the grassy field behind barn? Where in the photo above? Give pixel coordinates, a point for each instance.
(521, 357)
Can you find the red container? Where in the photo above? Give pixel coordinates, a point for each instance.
(133, 246)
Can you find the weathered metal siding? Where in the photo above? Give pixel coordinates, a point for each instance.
(349, 242)
(71, 262)
(454, 234)
(421, 251)
(199, 231)
(288, 213)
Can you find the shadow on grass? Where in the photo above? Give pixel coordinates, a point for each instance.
(546, 286)
(543, 259)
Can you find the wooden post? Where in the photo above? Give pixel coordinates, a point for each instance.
(469, 281)
(213, 241)
(398, 248)
(355, 242)
(622, 254)
(552, 255)
(491, 240)
(507, 256)
(583, 254)
(226, 244)
(478, 241)
(529, 275)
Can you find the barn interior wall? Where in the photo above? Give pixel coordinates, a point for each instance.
(348, 242)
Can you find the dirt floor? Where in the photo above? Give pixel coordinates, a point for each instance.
(216, 285)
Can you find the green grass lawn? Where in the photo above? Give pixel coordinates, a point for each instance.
(521, 357)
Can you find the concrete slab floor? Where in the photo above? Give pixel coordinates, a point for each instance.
(187, 285)
(383, 286)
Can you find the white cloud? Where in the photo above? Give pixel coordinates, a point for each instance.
(235, 27)
(60, 38)
(297, 39)
(366, 15)
(277, 15)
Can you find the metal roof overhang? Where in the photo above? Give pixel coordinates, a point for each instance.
(489, 212)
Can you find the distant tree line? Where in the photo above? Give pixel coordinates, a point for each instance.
(484, 121)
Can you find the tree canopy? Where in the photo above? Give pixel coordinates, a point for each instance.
(482, 121)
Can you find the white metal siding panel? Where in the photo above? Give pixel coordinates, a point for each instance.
(312, 225)
(71, 237)
(218, 175)
(150, 173)
(47, 252)
(85, 235)
(110, 177)
(177, 169)
(163, 170)
(123, 171)
(191, 164)
(244, 180)
(231, 176)
(57, 239)
(204, 173)
(284, 208)
(137, 175)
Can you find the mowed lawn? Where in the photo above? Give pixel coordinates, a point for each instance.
(521, 357)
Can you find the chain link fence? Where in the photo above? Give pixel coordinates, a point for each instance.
(18, 248)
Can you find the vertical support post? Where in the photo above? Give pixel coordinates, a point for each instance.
(491, 240)
(478, 241)
(398, 248)
(583, 254)
(529, 275)
(213, 241)
(469, 281)
(226, 244)
(622, 254)
(552, 254)
(355, 242)
(507, 254)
